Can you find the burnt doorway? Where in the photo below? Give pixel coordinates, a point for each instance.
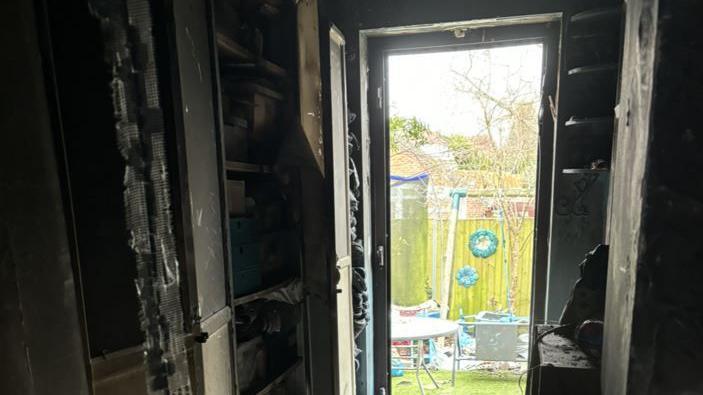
(394, 193)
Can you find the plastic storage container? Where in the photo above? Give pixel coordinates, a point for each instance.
(247, 281)
(243, 231)
(246, 254)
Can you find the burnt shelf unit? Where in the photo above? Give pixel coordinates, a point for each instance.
(592, 77)
(596, 68)
(585, 171)
(255, 54)
(244, 167)
(277, 380)
(261, 294)
(231, 51)
(596, 15)
(583, 150)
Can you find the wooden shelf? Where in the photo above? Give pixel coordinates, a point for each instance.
(602, 34)
(234, 52)
(574, 121)
(252, 87)
(260, 294)
(276, 381)
(596, 14)
(596, 68)
(588, 36)
(232, 49)
(261, 65)
(272, 68)
(243, 167)
(585, 171)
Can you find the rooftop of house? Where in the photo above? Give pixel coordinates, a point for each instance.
(443, 175)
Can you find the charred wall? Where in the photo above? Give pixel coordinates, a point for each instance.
(654, 337)
(96, 176)
(42, 343)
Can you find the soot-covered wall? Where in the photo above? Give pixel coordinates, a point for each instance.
(654, 317)
(42, 347)
(96, 177)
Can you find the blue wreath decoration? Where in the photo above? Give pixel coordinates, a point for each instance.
(467, 276)
(483, 243)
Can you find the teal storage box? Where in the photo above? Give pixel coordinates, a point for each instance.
(242, 231)
(246, 268)
(245, 257)
(246, 281)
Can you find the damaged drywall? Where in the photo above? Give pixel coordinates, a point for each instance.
(141, 140)
(95, 177)
(667, 329)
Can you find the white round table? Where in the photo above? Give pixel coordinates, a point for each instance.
(419, 329)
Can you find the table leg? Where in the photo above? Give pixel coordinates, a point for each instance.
(430, 374)
(456, 351)
(417, 365)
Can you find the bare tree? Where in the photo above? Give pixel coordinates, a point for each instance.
(507, 104)
(495, 159)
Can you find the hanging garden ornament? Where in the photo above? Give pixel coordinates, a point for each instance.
(483, 243)
(467, 276)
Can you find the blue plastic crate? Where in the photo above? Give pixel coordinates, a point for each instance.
(246, 257)
(246, 281)
(242, 231)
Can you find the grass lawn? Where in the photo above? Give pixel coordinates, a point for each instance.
(470, 383)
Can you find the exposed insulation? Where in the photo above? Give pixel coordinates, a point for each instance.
(140, 137)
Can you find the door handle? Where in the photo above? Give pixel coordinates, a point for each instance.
(380, 256)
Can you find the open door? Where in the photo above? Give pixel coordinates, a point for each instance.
(376, 49)
(342, 242)
(326, 209)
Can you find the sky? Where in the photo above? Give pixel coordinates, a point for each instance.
(426, 85)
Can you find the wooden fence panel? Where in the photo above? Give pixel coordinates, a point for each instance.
(411, 273)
